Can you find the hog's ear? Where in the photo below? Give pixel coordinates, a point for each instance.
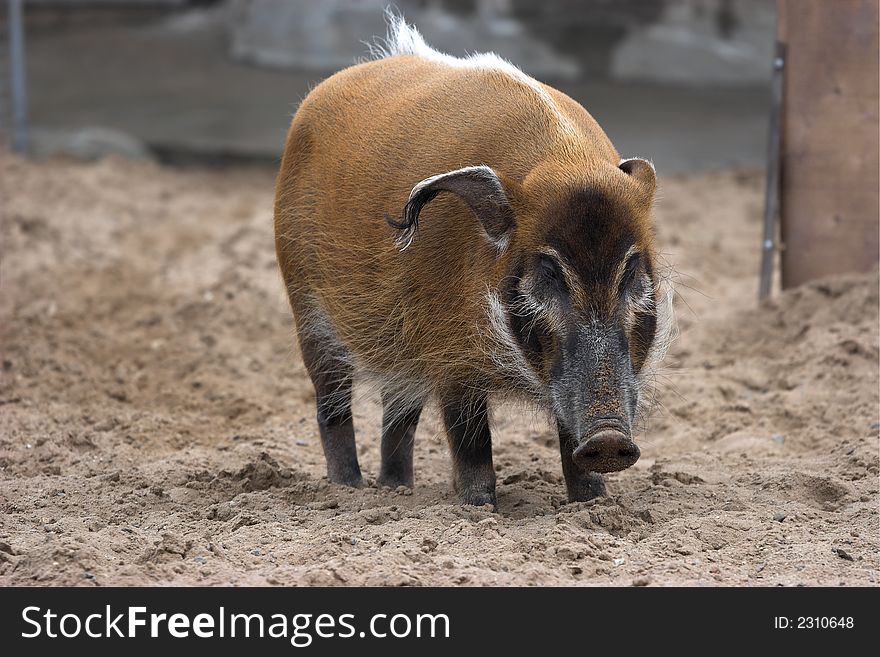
(643, 171)
(480, 187)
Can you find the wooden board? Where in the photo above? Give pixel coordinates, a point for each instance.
(830, 188)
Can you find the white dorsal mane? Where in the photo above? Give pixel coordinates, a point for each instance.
(404, 39)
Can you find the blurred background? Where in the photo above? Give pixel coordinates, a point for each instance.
(684, 82)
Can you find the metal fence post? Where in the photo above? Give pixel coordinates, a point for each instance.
(774, 164)
(18, 77)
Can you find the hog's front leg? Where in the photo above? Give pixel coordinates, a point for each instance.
(580, 484)
(467, 428)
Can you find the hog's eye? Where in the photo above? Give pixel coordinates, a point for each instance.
(630, 277)
(550, 275)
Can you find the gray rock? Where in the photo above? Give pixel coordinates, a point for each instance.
(88, 144)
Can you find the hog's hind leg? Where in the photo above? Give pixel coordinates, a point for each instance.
(400, 418)
(331, 372)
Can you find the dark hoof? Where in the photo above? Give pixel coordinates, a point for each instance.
(351, 479)
(478, 498)
(393, 482)
(590, 485)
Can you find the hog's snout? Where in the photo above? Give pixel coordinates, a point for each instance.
(607, 450)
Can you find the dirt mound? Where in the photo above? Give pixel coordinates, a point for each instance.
(157, 425)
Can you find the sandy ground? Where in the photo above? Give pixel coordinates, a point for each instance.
(157, 425)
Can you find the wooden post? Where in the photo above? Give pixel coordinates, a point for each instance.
(830, 199)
